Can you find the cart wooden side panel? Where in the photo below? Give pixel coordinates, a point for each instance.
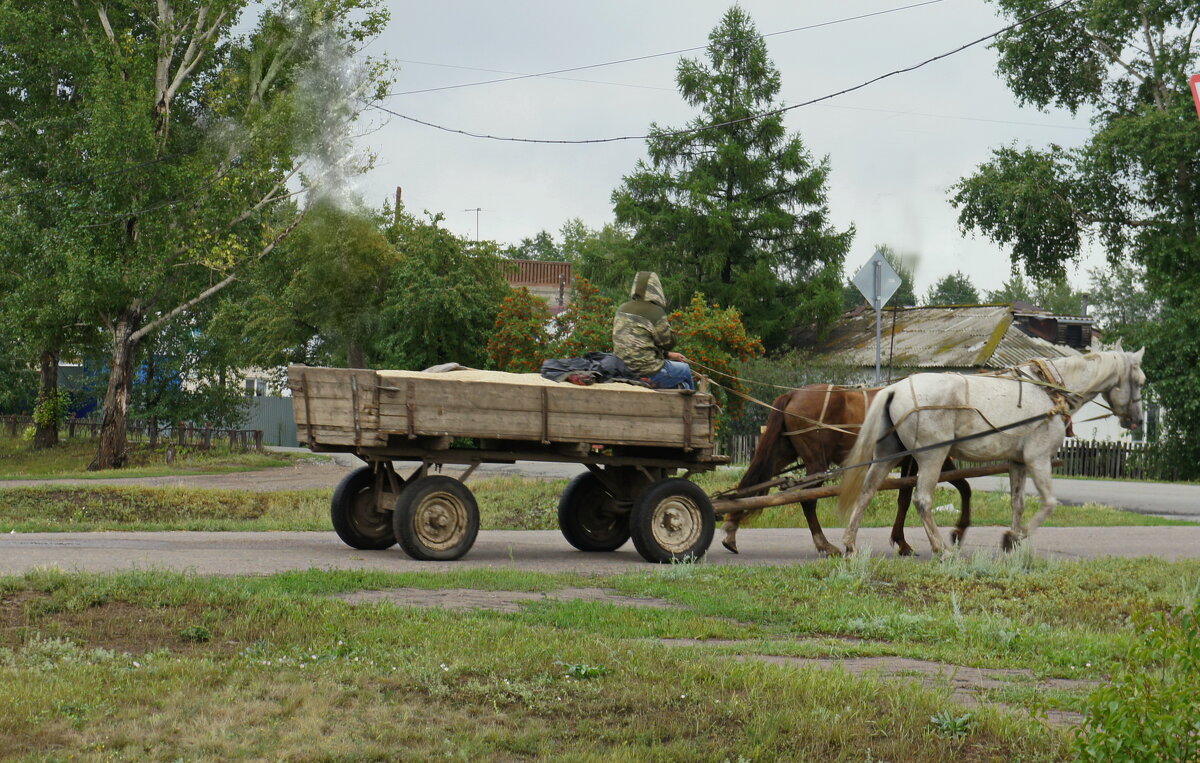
(363, 408)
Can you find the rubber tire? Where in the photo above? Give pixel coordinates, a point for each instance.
(688, 504)
(432, 498)
(588, 516)
(349, 507)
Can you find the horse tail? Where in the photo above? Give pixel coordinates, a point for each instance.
(875, 423)
(770, 442)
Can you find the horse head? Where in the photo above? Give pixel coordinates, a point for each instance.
(1125, 397)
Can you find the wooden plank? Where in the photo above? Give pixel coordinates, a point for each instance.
(725, 505)
(566, 427)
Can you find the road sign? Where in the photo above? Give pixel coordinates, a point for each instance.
(877, 279)
(1195, 81)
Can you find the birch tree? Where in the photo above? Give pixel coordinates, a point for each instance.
(179, 148)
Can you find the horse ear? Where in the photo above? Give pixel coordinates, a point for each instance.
(1119, 348)
(1137, 356)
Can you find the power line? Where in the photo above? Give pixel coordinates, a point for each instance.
(655, 55)
(750, 118)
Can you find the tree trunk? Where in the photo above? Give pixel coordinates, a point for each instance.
(113, 449)
(46, 434)
(355, 358)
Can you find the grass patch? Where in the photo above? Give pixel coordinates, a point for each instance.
(505, 503)
(70, 459)
(274, 668)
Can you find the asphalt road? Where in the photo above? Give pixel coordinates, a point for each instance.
(255, 553)
(268, 552)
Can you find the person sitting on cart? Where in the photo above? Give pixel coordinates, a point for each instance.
(643, 339)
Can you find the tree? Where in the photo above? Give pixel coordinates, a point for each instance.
(954, 289)
(441, 299)
(1054, 295)
(520, 342)
(716, 342)
(199, 133)
(733, 206)
(586, 324)
(1133, 188)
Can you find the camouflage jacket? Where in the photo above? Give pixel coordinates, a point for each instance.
(641, 333)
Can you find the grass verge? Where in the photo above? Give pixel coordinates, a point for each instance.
(70, 459)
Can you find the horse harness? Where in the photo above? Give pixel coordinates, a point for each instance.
(820, 423)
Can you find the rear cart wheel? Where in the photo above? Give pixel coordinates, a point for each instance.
(436, 519)
(589, 518)
(672, 521)
(356, 518)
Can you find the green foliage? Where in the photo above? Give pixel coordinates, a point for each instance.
(586, 323)
(440, 301)
(521, 341)
(954, 289)
(52, 411)
(736, 211)
(1150, 710)
(1133, 187)
(952, 726)
(716, 341)
(1057, 296)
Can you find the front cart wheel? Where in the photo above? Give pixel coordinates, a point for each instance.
(589, 518)
(436, 519)
(356, 519)
(672, 521)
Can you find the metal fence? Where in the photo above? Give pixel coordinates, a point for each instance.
(1121, 459)
(182, 434)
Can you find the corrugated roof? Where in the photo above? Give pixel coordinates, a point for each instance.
(958, 336)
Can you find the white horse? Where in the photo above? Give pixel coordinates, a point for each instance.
(1019, 416)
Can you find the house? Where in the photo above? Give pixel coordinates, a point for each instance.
(552, 281)
(962, 339)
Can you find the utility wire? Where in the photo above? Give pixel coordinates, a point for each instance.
(752, 117)
(653, 55)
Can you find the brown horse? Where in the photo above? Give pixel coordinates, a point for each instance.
(818, 425)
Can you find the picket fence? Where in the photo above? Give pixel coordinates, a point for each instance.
(1080, 458)
(183, 434)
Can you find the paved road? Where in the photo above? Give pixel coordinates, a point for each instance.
(256, 553)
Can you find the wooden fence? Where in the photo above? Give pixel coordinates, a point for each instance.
(1080, 458)
(183, 434)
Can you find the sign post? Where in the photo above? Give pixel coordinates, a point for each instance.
(1195, 84)
(878, 282)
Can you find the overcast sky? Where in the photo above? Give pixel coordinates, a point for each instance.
(894, 147)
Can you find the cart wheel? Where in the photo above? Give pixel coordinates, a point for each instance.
(589, 518)
(355, 518)
(436, 519)
(672, 520)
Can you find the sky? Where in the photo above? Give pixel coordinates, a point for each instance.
(894, 147)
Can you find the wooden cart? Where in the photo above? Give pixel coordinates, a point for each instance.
(632, 440)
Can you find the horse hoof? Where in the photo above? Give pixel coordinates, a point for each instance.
(956, 537)
(1008, 541)
(833, 551)
(905, 551)
(730, 546)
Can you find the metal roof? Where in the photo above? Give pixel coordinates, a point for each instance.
(953, 336)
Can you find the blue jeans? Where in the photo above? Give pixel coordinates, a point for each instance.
(673, 375)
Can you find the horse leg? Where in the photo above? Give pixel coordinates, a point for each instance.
(1042, 480)
(1016, 488)
(875, 475)
(928, 472)
(814, 526)
(730, 527)
(959, 533)
(903, 501)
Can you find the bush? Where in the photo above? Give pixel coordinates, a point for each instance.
(1151, 709)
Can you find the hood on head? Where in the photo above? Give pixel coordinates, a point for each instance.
(647, 286)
